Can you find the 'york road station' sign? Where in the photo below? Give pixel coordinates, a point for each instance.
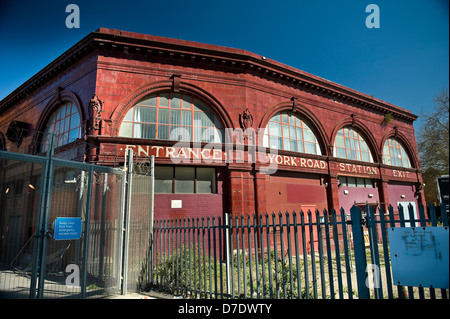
(67, 228)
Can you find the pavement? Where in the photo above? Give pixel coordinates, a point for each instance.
(139, 295)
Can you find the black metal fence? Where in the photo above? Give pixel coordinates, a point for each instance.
(290, 255)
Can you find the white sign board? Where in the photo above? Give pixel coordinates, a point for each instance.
(176, 203)
(420, 256)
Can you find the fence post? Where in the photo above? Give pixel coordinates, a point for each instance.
(151, 221)
(125, 227)
(87, 220)
(360, 252)
(39, 266)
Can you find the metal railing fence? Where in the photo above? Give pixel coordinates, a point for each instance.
(291, 255)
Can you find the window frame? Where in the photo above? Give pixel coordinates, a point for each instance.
(196, 168)
(366, 182)
(56, 119)
(284, 127)
(395, 147)
(352, 144)
(197, 112)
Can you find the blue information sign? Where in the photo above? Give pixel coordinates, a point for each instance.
(67, 228)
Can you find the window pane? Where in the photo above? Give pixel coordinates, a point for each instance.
(175, 117)
(310, 148)
(276, 118)
(293, 146)
(180, 133)
(300, 146)
(285, 131)
(207, 120)
(145, 114)
(74, 134)
(274, 129)
(206, 180)
(67, 124)
(198, 118)
(309, 135)
(340, 152)
(75, 120)
(187, 102)
(360, 182)
(286, 144)
(364, 146)
(187, 118)
(125, 130)
(129, 115)
(340, 141)
(292, 132)
(164, 100)
(148, 131)
(137, 132)
(175, 102)
(351, 181)
(275, 142)
(197, 134)
(218, 135)
(163, 179)
(299, 133)
(149, 102)
(163, 132)
(366, 157)
(208, 135)
(163, 117)
(58, 114)
(349, 154)
(184, 180)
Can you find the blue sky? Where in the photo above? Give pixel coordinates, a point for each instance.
(404, 62)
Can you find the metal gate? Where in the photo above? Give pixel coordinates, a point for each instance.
(374, 260)
(61, 225)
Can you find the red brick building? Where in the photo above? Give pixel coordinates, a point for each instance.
(331, 146)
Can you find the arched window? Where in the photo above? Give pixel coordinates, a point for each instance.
(350, 144)
(172, 116)
(65, 123)
(394, 154)
(288, 132)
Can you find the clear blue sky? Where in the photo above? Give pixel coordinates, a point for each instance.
(405, 62)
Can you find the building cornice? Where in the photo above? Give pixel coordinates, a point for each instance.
(234, 60)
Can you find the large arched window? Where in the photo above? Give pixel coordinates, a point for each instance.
(65, 122)
(288, 132)
(172, 116)
(394, 154)
(350, 144)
